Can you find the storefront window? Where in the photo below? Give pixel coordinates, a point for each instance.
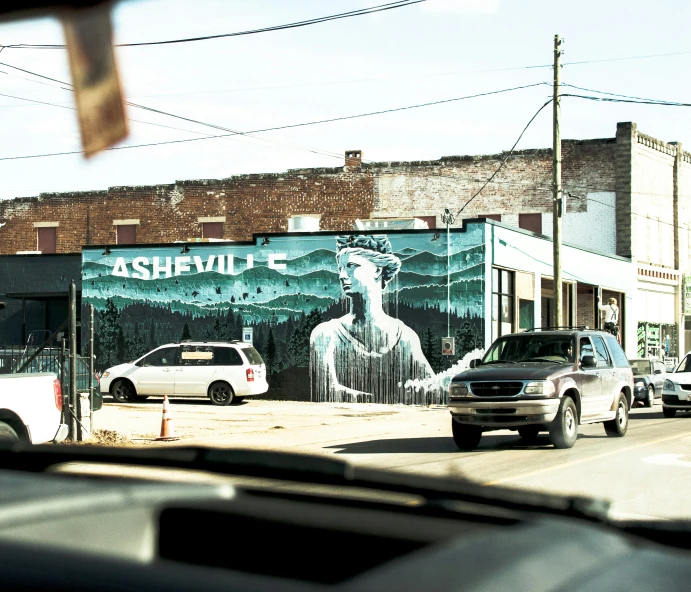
(657, 340)
(502, 302)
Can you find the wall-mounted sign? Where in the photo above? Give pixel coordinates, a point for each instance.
(687, 295)
(247, 334)
(448, 346)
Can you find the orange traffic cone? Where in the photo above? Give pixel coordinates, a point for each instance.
(167, 430)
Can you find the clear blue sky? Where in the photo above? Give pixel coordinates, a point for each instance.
(431, 51)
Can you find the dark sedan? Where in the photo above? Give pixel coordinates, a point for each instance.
(648, 378)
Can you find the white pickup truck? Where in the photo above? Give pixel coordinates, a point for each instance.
(31, 409)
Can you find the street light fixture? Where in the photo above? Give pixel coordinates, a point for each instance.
(448, 218)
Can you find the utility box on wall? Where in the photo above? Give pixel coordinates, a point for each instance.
(448, 346)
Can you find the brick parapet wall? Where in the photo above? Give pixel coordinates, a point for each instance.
(249, 203)
(258, 203)
(626, 133)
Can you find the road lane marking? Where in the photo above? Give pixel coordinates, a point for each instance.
(667, 460)
(588, 459)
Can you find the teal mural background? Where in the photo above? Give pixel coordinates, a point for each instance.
(282, 289)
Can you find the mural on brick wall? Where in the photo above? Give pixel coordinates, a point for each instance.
(351, 317)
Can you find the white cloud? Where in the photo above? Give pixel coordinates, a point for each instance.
(461, 6)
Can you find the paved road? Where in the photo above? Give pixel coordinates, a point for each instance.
(646, 473)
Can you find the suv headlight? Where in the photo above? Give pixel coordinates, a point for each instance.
(639, 384)
(669, 385)
(458, 390)
(540, 387)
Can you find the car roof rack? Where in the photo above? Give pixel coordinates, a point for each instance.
(557, 328)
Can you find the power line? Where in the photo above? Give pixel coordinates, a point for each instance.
(635, 101)
(602, 92)
(313, 21)
(304, 124)
(621, 59)
(159, 124)
(160, 112)
(503, 162)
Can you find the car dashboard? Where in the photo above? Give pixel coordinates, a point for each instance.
(76, 527)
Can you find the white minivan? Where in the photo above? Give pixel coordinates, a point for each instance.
(224, 371)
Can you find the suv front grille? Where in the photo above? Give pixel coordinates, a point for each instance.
(496, 389)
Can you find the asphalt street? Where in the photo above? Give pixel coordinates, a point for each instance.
(647, 473)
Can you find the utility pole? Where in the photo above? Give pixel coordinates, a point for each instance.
(557, 195)
(73, 405)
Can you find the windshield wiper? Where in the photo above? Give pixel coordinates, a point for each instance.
(542, 360)
(499, 362)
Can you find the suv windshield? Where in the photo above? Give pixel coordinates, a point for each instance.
(531, 347)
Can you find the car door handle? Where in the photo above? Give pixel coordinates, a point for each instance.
(166, 369)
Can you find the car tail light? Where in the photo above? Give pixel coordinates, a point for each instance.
(250, 375)
(57, 390)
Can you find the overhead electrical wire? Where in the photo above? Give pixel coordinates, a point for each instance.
(295, 125)
(69, 87)
(305, 23)
(503, 162)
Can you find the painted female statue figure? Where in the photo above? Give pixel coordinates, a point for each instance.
(365, 355)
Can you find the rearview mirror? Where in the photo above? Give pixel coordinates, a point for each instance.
(474, 363)
(588, 362)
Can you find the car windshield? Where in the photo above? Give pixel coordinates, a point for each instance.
(640, 367)
(531, 347)
(422, 236)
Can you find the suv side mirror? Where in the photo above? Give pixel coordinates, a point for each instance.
(474, 363)
(588, 362)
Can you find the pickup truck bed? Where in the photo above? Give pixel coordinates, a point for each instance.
(31, 409)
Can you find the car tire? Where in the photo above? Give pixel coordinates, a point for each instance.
(8, 437)
(529, 432)
(221, 394)
(650, 400)
(617, 427)
(669, 413)
(563, 431)
(123, 391)
(466, 437)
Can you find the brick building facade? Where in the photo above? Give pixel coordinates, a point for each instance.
(628, 195)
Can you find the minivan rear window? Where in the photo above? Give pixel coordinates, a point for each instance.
(253, 356)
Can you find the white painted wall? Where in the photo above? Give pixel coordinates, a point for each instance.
(515, 250)
(595, 229)
(656, 303)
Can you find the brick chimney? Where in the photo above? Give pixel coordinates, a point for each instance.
(353, 159)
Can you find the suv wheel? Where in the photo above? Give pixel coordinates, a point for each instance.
(617, 426)
(669, 413)
(563, 431)
(221, 394)
(529, 432)
(123, 391)
(466, 436)
(650, 400)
